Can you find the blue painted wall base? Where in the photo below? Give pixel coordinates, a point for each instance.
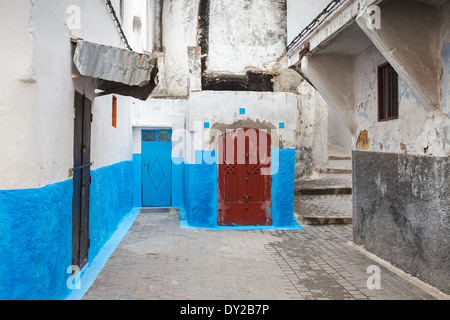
(36, 231)
(201, 202)
(35, 242)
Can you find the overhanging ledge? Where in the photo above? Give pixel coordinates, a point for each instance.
(116, 70)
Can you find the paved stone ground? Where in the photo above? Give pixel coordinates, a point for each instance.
(158, 260)
(323, 205)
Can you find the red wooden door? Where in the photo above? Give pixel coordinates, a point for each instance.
(244, 178)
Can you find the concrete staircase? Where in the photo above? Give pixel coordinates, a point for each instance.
(326, 199)
(336, 180)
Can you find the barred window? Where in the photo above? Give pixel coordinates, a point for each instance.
(387, 93)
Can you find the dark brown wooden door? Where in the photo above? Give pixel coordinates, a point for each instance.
(244, 178)
(81, 180)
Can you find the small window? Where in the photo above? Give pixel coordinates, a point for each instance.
(149, 136)
(114, 112)
(387, 93)
(164, 136)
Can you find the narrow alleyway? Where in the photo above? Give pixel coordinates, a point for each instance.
(159, 260)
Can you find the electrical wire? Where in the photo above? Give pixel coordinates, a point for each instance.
(330, 7)
(119, 26)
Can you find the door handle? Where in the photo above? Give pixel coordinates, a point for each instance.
(246, 206)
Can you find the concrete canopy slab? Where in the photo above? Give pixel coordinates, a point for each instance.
(408, 39)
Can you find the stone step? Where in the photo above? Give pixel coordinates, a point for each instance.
(324, 220)
(324, 191)
(339, 158)
(160, 210)
(325, 184)
(339, 167)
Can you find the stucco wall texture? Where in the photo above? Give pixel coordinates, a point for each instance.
(400, 212)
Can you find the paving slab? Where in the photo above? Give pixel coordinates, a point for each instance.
(158, 260)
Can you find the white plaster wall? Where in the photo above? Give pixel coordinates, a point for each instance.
(37, 107)
(138, 23)
(160, 114)
(338, 133)
(222, 108)
(416, 129)
(18, 91)
(179, 32)
(246, 35)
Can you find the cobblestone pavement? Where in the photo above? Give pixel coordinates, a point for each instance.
(159, 260)
(323, 205)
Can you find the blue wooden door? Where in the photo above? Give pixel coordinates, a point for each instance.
(156, 168)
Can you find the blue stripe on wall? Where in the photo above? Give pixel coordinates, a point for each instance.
(283, 187)
(36, 231)
(201, 191)
(111, 199)
(35, 242)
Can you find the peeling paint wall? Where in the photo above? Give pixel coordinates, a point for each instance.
(178, 33)
(240, 37)
(246, 35)
(417, 131)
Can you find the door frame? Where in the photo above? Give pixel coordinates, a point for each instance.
(81, 179)
(155, 128)
(222, 170)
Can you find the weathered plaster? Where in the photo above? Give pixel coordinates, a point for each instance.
(417, 130)
(178, 33)
(312, 132)
(246, 35)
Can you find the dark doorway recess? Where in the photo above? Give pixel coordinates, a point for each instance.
(81, 180)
